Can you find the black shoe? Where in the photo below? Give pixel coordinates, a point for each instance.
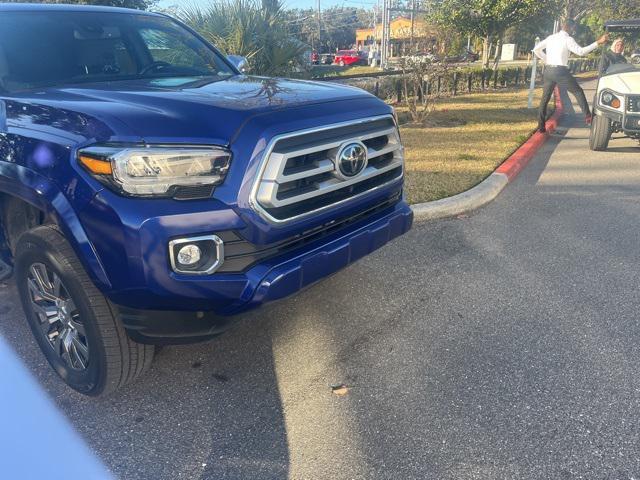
(542, 129)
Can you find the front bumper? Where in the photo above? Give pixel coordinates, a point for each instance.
(627, 122)
(294, 274)
(197, 312)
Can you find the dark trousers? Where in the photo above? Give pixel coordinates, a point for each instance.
(562, 77)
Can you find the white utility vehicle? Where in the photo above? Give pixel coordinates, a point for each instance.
(616, 106)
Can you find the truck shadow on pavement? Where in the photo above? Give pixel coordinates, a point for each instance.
(257, 401)
(209, 410)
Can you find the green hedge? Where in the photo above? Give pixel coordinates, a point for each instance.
(461, 80)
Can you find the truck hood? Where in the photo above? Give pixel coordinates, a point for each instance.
(624, 83)
(168, 110)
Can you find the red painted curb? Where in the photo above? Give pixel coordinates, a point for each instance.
(519, 159)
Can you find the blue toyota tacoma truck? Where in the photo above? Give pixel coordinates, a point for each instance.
(149, 190)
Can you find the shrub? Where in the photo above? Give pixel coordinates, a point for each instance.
(245, 27)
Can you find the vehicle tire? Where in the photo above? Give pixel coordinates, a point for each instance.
(635, 59)
(72, 321)
(600, 133)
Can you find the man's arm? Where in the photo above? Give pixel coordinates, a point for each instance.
(573, 46)
(539, 50)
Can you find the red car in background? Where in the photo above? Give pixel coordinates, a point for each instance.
(348, 57)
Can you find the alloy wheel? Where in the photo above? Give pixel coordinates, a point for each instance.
(58, 317)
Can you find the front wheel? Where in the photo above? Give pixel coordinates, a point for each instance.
(600, 133)
(71, 320)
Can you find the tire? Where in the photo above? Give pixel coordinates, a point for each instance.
(81, 338)
(635, 59)
(600, 133)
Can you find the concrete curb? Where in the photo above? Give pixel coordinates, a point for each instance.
(474, 198)
(491, 186)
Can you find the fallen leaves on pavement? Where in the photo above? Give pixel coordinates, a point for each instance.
(340, 389)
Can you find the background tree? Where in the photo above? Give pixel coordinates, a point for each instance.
(254, 29)
(338, 26)
(272, 5)
(590, 15)
(593, 15)
(525, 33)
(489, 19)
(603, 9)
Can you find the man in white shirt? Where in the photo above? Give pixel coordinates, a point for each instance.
(554, 51)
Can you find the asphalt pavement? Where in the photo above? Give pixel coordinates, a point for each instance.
(498, 345)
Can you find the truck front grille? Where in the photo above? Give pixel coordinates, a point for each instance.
(632, 122)
(240, 255)
(300, 174)
(633, 104)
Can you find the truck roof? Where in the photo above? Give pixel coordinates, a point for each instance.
(53, 7)
(622, 25)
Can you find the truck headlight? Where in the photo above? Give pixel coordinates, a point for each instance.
(610, 99)
(156, 171)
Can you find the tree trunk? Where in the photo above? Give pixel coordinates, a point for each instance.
(498, 53)
(485, 52)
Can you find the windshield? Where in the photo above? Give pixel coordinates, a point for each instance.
(63, 48)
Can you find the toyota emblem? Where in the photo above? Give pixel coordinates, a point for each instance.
(352, 159)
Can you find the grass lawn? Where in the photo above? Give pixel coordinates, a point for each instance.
(467, 137)
(321, 71)
(324, 71)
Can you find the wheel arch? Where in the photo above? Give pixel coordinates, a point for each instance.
(37, 200)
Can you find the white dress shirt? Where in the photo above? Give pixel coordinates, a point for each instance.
(558, 47)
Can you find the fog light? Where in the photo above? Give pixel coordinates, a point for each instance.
(189, 255)
(196, 255)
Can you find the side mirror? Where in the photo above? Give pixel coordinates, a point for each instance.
(239, 62)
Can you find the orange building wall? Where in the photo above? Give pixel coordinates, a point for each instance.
(400, 29)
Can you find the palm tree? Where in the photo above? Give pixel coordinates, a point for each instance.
(255, 29)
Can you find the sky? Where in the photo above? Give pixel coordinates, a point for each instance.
(288, 3)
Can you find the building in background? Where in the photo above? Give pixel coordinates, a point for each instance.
(403, 37)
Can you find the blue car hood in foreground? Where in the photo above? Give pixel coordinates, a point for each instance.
(185, 109)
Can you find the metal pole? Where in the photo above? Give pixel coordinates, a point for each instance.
(381, 35)
(384, 29)
(532, 84)
(413, 19)
(319, 29)
(375, 34)
(385, 34)
(388, 41)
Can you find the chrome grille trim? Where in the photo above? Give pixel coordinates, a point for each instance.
(267, 192)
